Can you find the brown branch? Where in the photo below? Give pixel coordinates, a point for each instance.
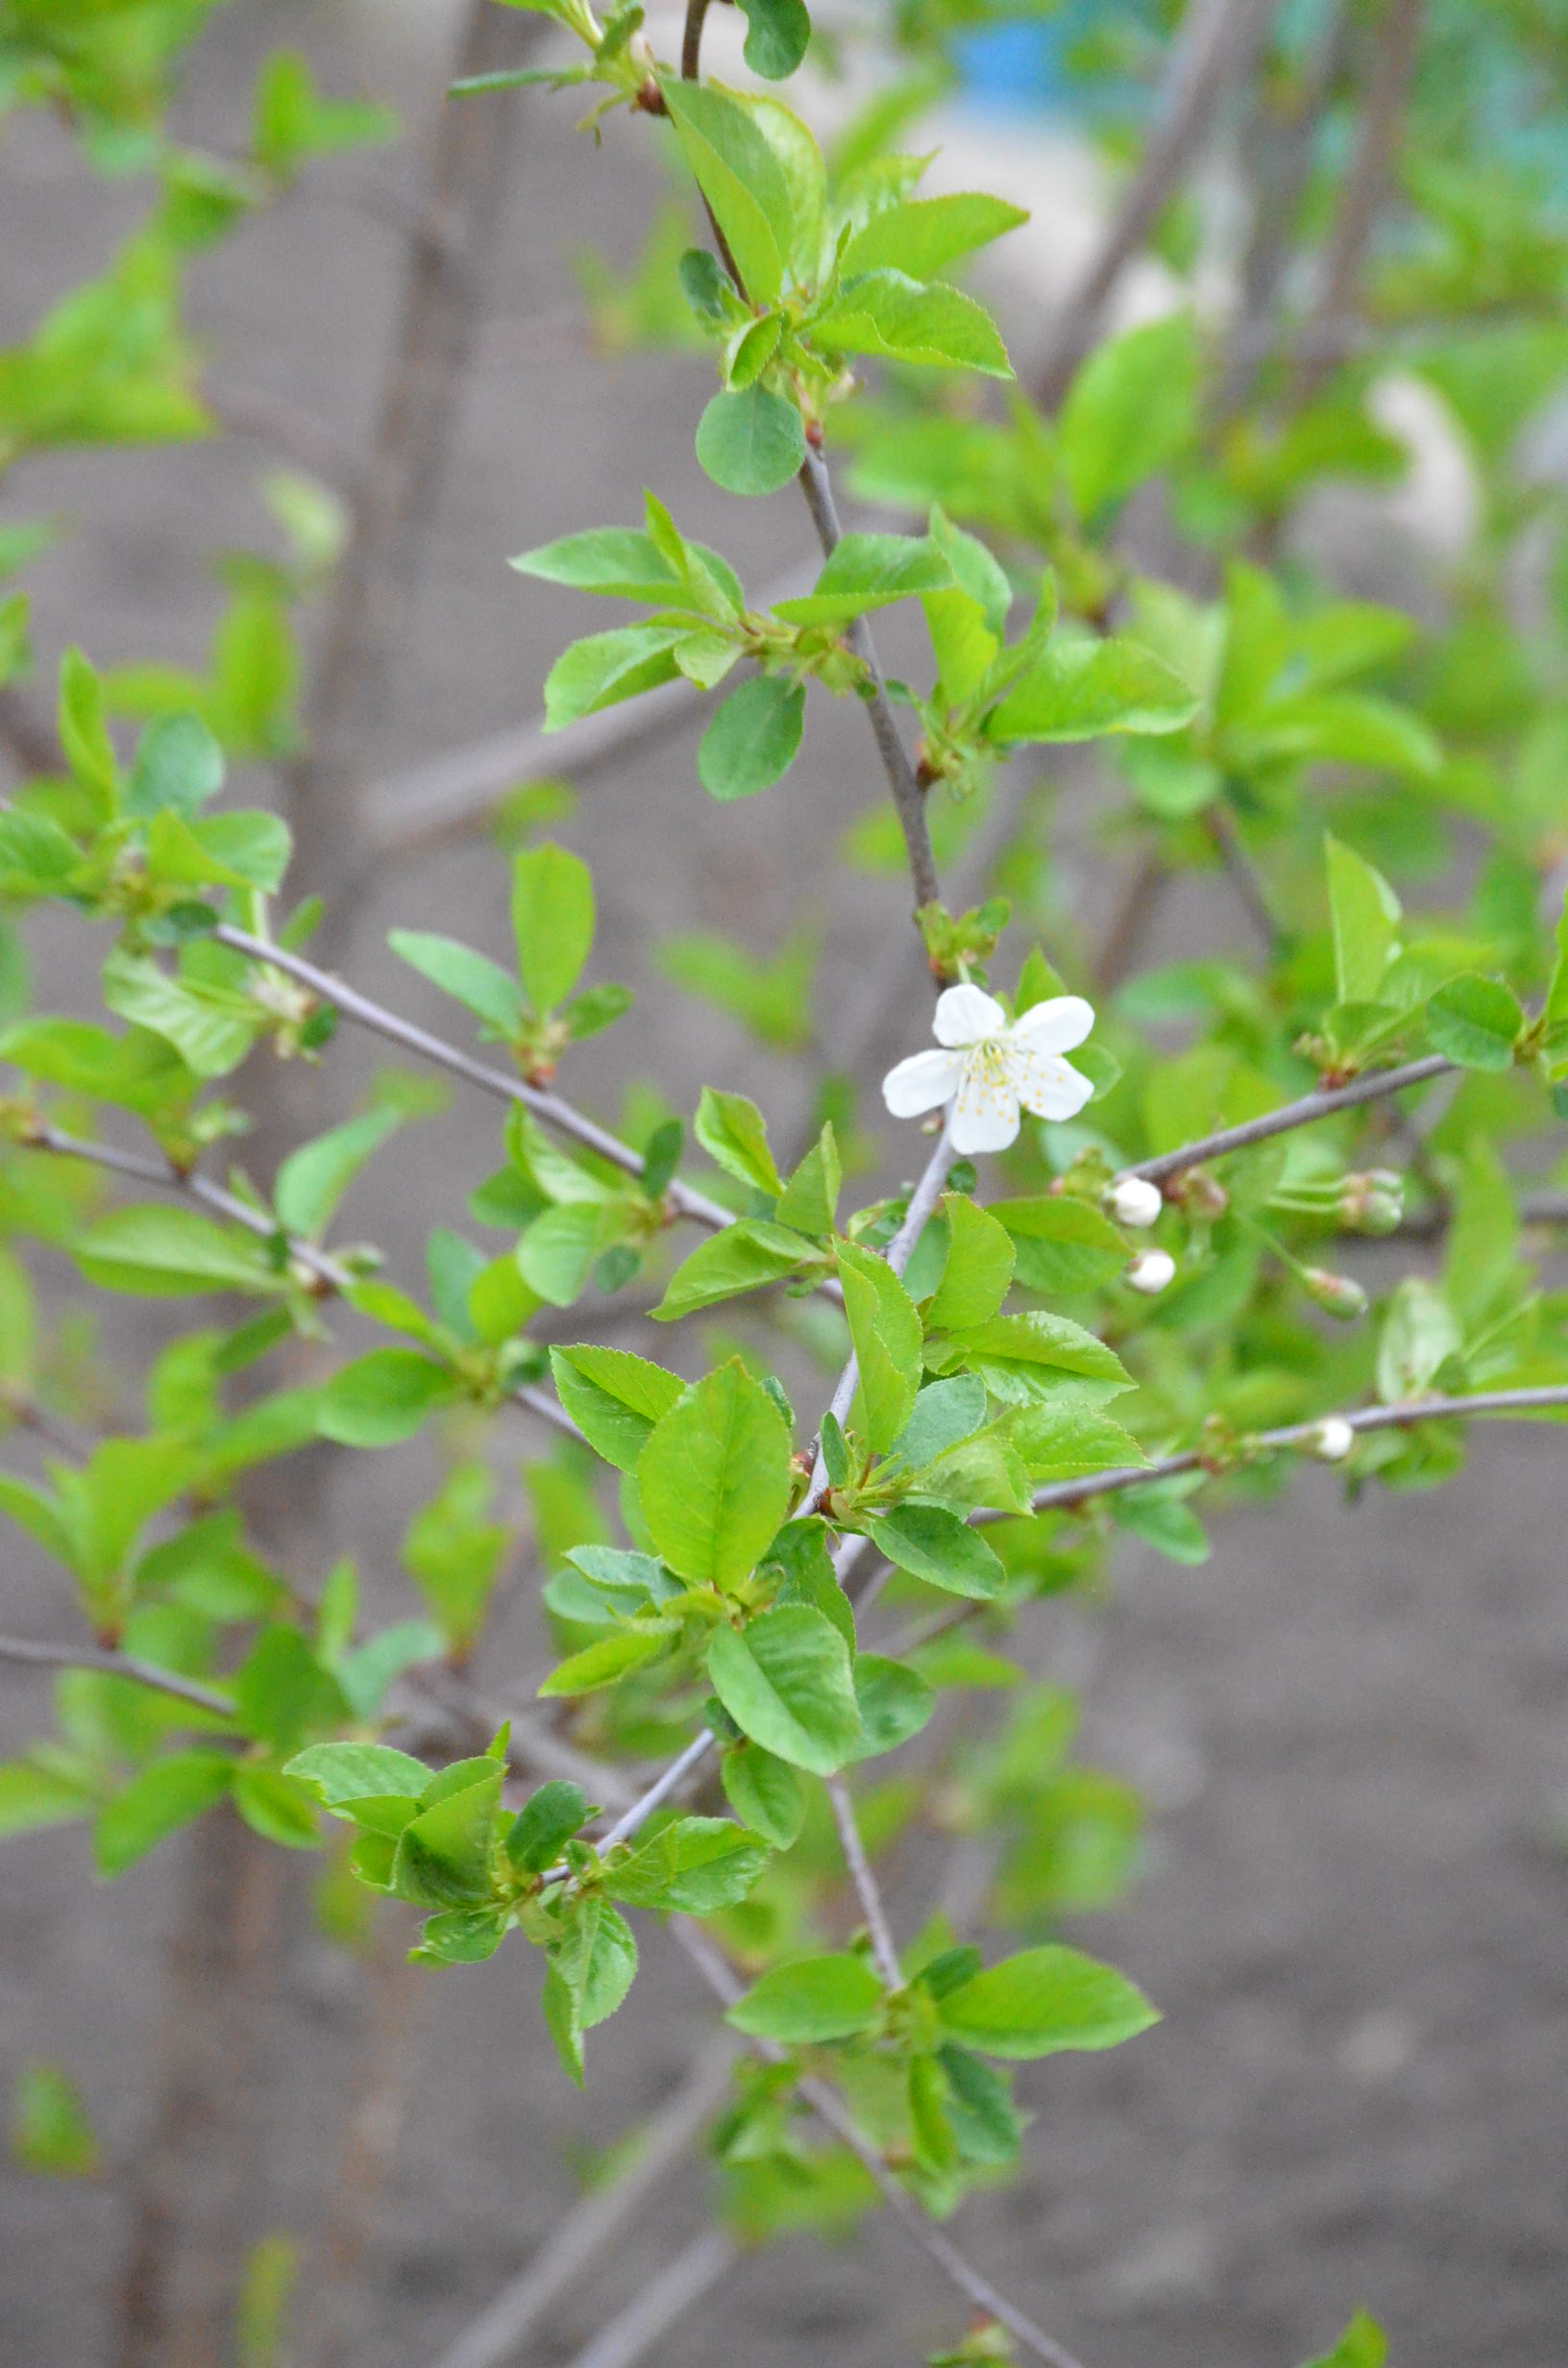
(1212, 52)
(28, 736)
(865, 1883)
(1323, 1105)
(105, 1664)
(668, 2294)
(1397, 51)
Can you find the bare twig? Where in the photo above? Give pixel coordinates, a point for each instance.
(295, 434)
(1397, 50)
(589, 2230)
(1212, 52)
(1323, 1105)
(667, 2297)
(107, 1664)
(865, 1883)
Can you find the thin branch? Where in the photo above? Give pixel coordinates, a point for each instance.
(107, 1664)
(826, 2104)
(28, 736)
(589, 2230)
(683, 2281)
(447, 795)
(1215, 49)
(866, 1885)
(295, 434)
(1397, 51)
(690, 43)
(328, 1271)
(1323, 1105)
(908, 795)
(547, 1106)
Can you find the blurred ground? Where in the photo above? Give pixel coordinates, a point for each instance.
(1348, 1725)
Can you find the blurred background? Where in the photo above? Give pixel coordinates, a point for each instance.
(1345, 1728)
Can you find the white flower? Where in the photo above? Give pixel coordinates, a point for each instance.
(1150, 1272)
(1133, 1201)
(1332, 1439)
(992, 1066)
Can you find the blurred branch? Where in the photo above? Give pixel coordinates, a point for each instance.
(107, 1664)
(683, 2281)
(593, 2225)
(1212, 52)
(294, 434)
(1394, 59)
(865, 1882)
(28, 736)
(1303, 1112)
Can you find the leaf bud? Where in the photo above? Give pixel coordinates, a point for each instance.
(1133, 1201)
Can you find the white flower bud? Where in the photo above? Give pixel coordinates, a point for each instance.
(1332, 1439)
(1134, 1201)
(1150, 1272)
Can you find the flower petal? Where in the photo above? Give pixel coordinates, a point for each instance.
(967, 1015)
(925, 1081)
(1057, 1025)
(1051, 1089)
(986, 1114)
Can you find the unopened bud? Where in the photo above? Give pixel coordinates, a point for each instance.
(1133, 1201)
(643, 55)
(1334, 1293)
(1373, 1203)
(1332, 1439)
(1150, 1272)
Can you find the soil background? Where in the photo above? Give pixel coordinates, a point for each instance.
(1348, 1725)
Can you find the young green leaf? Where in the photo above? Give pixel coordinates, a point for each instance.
(614, 1398)
(743, 1257)
(777, 34)
(885, 1328)
(1362, 2345)
(889, 314)
(749, 442)
(1476, 1022)
(482, 986)
(742, 180)
(816, 2000)
(753, 739)
(810, 1199)
(604, 669)
(166, 1254)
(165, 1795)
(714, 1478)
(734, 1134)
(692, 1866)
(314, 1179)
(553, 919)
(863, 572)
(933, 1545)
(1365, 915)
(382, 1398)
(786, 1681)
(894, 1703)
(1082, 690)
(921, 236)
(540, 1830)
(1131, 410)
(764, 1792)
(978, 1267)
(1044, 2000)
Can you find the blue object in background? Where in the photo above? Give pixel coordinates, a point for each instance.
(1011, 67)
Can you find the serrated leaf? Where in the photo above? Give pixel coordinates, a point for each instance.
(743, 1257)
(752, 738)
(381, 1399)
(1083, 690)
(603, 669)
(921, 236)
(811, 2002)
(889, 314)
(934, 1545)
(786, 1681)
(714, 1478)
(553, 920)
(614, 1398)
(864, 572)
(742, 180)
(885, 1328)
(734, 1134)
(1044, 2000)
(1365, 915)
(1476, 1022)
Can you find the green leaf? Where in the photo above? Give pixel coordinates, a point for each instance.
(1362, 2345)
(1162, 1520)
(591, 1969)
(33, 1796)
(84, 734)
(1044, 2000)
(734, 1134)
(1366, 914)
(557, 1254)
(50, 2131)
(482, 986)
(753, 739)
(894, 1703)
(714, 1478)
(606, 1661)
(923, 236)
(1036, 1356)
(381, 1399)
(552, 917)
(865, 572)
(606, 668)
(936, 1546)
(165, 1796)
(743, 1257)
(750, 441)
(1420, 1333)
(344, 1773)
(764, 1792)
(314, 1179)
(155, 1252)
(786, 1681)
(1061, 1243)
(1081, 690)
(943, 1413)
(742, 180)
(888, 312)
(978, 1267)
(816, 2000)
(540, 1830)
(1555, 1010)
(692, 1866)
(179, 763)
(622, 564)
(1475, 1021)
(614, 1398)
(274, 1808)
(777, 34)
(1131, 410)
(444, 1855)
(810, 1199)
(885, 1328)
